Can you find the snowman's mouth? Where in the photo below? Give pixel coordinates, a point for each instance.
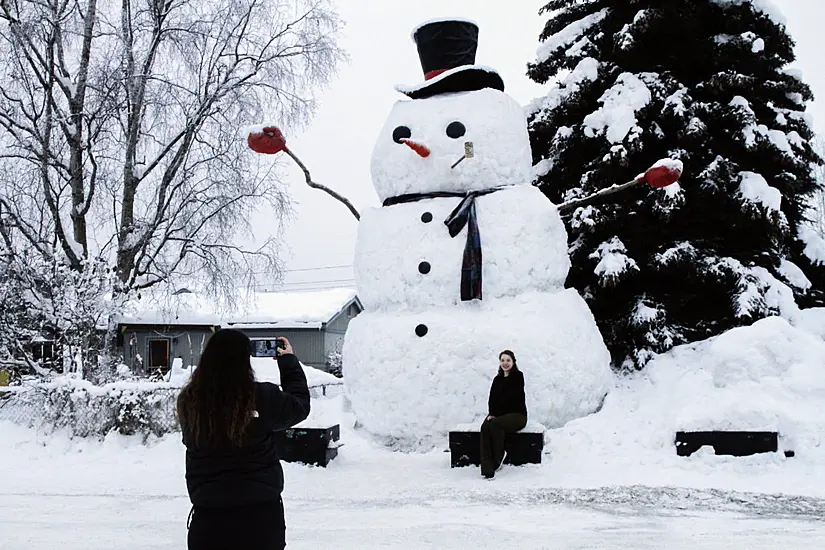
(422, 150)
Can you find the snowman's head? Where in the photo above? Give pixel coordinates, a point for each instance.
(423, 138)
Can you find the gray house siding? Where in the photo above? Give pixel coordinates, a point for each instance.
(147, 348)
(307, 343)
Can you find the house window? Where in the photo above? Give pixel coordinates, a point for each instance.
(42, 351)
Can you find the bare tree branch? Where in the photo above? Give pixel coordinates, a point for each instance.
(323, 188)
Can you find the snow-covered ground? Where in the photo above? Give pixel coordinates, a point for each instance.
(610, 480)
(120, 494)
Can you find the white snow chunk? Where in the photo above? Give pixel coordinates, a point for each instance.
(795, 139)
(758, 45)
(617, 116)
(794, 72)
(796, 97)
(676, 102)
(584, 216)
(744, 104)
(754, 188)
(643, 314)
(569, 34)
(795, 276)
(674, 165)
(681, 250)
(257, 128)
(577, 49)
(543, 167)
(814, 244)
(766, 7)
(612, 260)
(587, 70)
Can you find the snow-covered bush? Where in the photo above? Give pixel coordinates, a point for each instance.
(127, 407)
(85, 410)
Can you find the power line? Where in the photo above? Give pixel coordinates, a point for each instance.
(317, 268)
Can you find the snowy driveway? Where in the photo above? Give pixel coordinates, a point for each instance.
(560, 519)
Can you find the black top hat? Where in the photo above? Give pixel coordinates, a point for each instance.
(447, 50)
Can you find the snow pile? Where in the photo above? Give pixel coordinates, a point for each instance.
(768, 376)
(617, 116)
(266, 370)
(178, 375)
(493, 121)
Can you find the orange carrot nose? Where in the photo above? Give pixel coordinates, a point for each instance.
(419, 148)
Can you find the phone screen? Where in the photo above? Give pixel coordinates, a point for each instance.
(265, 348)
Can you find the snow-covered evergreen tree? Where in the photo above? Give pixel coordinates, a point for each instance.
(707, 82)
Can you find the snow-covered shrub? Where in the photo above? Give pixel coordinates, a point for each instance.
(131, 407)
(85, 410)
(335, 363)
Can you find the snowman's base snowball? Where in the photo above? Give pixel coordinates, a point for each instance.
(414, 389)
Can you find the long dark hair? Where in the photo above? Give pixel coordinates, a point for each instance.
(512, 356)
(216, 405)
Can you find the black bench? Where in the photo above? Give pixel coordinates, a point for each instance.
(524, 447)
(728, 443)
(308, 445)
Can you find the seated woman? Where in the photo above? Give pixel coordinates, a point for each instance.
(507, 412)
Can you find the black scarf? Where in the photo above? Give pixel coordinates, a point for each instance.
(463, 214)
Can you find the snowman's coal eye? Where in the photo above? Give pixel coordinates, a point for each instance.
(455, 130)
(402, 132)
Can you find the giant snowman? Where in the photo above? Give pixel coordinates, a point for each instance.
(464, 259)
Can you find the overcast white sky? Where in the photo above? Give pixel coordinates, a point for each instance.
(337, 145)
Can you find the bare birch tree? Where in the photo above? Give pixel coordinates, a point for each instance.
(818, 201)
(119, 130)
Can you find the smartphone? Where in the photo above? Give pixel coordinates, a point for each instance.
(265, 348)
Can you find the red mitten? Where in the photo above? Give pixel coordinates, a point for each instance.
(268, 142)
(663, 173)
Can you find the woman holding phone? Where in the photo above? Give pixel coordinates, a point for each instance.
(233, 473)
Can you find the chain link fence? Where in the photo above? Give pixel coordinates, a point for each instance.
(84, 410)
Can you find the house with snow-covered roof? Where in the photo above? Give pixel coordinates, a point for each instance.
(155, 331)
